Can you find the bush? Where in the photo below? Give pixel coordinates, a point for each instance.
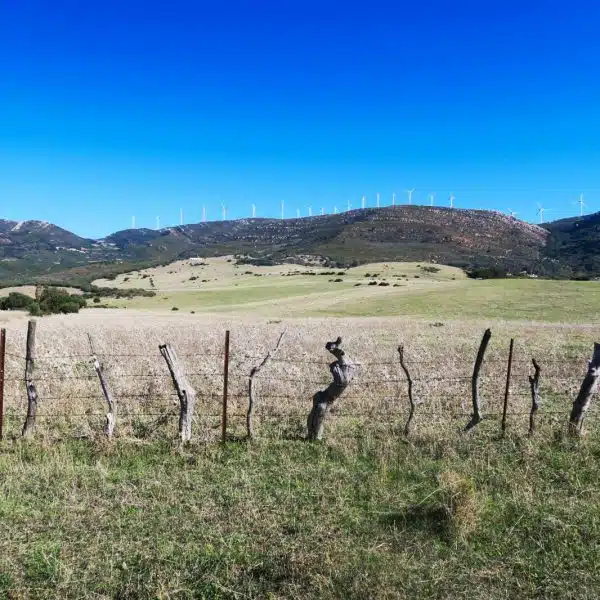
(57, 300)
(174, 308)
(96, 300)
(16, 301)
(487, 273)
(430, 269)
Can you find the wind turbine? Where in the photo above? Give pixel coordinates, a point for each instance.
(410, 193)
(157, 222)
(203, 213)
(181, 216)
(394, 199)
(297, 213)
(349, 205)
(281, 206)
(335, 210)
(541, 211)
(223, 212)
(322, 211)
(581, 205)
(431, 199)
(377, 200)
(310, 210)
(452, 199)
(132, 222)
(254, 211)
(512, 213)
(363, 202)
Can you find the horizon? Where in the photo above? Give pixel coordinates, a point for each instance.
(133, 108)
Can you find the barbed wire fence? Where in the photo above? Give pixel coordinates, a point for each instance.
(150, 400)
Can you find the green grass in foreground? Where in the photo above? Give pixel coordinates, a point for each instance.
(470, 517)
(520, 299)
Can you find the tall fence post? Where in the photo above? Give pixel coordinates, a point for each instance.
(507, 389)
(2, 355)
(476, 417)
(225, 390)
(32, 395)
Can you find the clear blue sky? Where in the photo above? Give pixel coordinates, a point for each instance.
(118, 108)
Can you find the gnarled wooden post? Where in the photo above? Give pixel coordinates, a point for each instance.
(584, 398)
(534, 383)
(410, 394)
(111, 415)
(185, 392)
(342, 371)
(253, 373)
(476, 417)
(32, 395)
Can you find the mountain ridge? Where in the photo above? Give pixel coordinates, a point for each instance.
(38, 251)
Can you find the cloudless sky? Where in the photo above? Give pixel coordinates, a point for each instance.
(116, 108)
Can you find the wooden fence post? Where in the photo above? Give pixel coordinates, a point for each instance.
(225, 388)
(584, 398)
(32, 395)
(342, 371)
(476, 417)
(2, 357)
(253, 373)
(534, 383)
(410, 388)
(507, 389)
(185, 392)
(111, 415)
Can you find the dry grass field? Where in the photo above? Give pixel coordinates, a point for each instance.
(366, 513)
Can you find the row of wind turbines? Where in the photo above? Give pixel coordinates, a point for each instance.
(431, 199)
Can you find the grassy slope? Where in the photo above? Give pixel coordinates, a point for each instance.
(369, 518)
(446, 294)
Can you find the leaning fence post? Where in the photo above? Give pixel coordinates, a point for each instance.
(253, 373)
(2, 356)
(111, 415)
(225, 388)
(534, 383)
(507, 389)
(185, 392)
(410, 394)
(476, 416)
(584, 398)
(32, 395)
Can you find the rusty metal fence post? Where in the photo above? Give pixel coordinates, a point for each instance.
(225, 386)
(2, 355)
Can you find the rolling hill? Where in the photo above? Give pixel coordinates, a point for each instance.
(33, 251)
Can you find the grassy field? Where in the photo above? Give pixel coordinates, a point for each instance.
(289, 291)
(366, 513)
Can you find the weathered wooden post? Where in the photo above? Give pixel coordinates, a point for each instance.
(32, 395)
(410, 388)
(185, 392)
(476, 417)
(111, 415)
(342, 371)
(534, 384)
(253, 373)
(2, 359)
(225, 388)
(507, 388)
(584, 398)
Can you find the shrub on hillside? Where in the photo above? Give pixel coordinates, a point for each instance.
(487, 273)
(16, 301)
(57, 300)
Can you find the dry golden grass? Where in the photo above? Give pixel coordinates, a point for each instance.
(440, 358)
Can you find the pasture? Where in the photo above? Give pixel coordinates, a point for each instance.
(367, 513)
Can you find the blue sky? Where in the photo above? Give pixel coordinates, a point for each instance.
(119, 108)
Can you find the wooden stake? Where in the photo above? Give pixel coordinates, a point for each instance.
(185, 392)
(534, 383)
(584, 398)
(32, 395)
(476, 417)
(2, 357)
(410, 394)
(507, 389)
(253, 373)
(225, 388)
(111, 415)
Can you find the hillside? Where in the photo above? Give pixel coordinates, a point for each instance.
(37, 251)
